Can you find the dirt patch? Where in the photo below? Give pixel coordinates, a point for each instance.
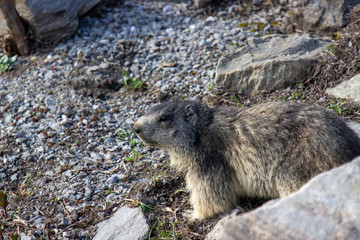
(169, 207)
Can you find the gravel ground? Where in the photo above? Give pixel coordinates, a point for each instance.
(69, 158)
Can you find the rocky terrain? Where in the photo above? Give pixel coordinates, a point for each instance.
(69, 157)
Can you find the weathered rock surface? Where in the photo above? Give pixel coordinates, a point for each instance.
(268, 63)
(327, 207)
(126, 224)
(218, 228)
(3, 26)
(349, 89)
(50, 20)
(314, 14)
(355, 127)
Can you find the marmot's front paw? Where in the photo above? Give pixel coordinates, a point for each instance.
(191, 215)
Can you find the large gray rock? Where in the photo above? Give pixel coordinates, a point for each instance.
(314, 14)
(52, 20)
(327, 207)
(349, 89)
(3, 26)
(219, 227)
(126, 224)
(269, 63)
(355, 126)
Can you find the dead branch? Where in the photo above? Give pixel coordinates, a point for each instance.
(17, 32)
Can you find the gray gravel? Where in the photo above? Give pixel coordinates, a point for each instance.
(66, 140)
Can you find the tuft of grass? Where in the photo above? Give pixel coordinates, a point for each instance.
(234, 98)
(3, 202)
(132, 83)
(15, 236)
(337, 107)
(145, 207)
(5, 62)
(134, 155)
(133, 142)
(156, 177)
(122, 133)
(164, 230)
(181, 190)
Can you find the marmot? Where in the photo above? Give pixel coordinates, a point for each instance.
(266, 151)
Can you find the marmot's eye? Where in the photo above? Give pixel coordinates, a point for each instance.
(164, 118)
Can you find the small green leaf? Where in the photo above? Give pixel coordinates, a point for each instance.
(3, 201)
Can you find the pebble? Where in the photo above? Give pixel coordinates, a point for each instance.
(114, 179)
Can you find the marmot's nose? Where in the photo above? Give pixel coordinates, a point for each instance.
(137, 127)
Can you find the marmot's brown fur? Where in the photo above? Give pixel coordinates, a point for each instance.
(268, 150)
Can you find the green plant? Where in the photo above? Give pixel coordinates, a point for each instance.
(132, 83)
(133, 142)
(295, 95)
(164, 230)
(156, 177)
(3, 202)
(15, 236)
(145, 207)
(5, 62)
(234, 98)
(281, 98)
(122, 133)
(181, 190)
(134, 155)
(336, 106)
(108, 191)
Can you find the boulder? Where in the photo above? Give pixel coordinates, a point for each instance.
(218, 228)
(314, 14)
(126, 224)
(269, 63)
(349, 89)
(327, 207)
(355, 126)
(49, 20)
(4, 29)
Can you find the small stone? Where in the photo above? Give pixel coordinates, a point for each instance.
(109, 141)
(63, 223)
(64, 120)
(129, 121)
(210, 19)
(104, 66)
(23, 236)
(13, 177)
(109, 156)
(88, 191)
(39, 222)
(133, 225)
(110, 197)
(49, 173)
(114, 179)
(168, 9)
(95, 156)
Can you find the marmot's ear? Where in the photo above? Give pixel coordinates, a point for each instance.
(189, 112)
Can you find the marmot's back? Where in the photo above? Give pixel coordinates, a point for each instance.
(268, 150)
(290, 143)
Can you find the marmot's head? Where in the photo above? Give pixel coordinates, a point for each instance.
(175, 124)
